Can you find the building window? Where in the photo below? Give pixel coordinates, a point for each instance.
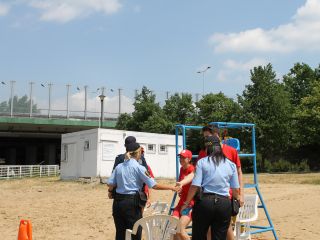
(163, 149)
(151, 148)
(65, 153)
(86, 146)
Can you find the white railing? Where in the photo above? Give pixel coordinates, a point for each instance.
(22, 171)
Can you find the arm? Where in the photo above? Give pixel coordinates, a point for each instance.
(159, 186)
(110, 191)
(235, 193)
(186, 180)
(192, 192)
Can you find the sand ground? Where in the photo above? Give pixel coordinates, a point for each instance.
(73, 210)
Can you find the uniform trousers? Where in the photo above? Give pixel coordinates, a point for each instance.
(212, 210)
(125, 213)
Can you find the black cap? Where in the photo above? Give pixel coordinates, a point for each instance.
(208, 128)
(129, 139)
(131, 147)
(211, 140)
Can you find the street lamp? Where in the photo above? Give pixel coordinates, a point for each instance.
(203, 72)
(101, 117)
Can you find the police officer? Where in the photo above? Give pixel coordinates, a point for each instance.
(128, 178)
(214, 175)
(120, 158)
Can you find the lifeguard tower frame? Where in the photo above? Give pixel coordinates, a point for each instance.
(255, 185)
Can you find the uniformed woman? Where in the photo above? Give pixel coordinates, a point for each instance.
(128, 178)
(214, 175)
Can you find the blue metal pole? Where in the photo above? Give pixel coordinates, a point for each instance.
(177, 152)
(255, 175)
(266, 212)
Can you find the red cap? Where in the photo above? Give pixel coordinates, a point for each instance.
(186, 153)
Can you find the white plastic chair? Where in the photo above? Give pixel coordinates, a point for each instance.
(156, 227)
(157, 208)
(247, 214)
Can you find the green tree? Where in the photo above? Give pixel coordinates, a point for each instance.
(20, 105)
(147, 116)
(266, 103)
(217, 108)
(298, 82)
(124, 121)
(307, 117)
(179, 109)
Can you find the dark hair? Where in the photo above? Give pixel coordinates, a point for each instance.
(213, 143)
(212, 129)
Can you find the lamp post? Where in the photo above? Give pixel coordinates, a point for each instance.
(203, 72)
(101, 117)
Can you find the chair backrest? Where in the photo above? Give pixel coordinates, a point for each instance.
(158, 227)
(249, 211)
(158, 207)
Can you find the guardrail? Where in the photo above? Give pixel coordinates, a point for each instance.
(22, 171)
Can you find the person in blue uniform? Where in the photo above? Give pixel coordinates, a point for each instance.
(121, 157)
(128, 178)
(215, 175)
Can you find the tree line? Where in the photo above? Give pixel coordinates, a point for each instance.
(286, 113)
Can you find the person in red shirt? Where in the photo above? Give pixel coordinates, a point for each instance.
(185, 217)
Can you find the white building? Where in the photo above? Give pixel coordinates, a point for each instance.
(91, 153)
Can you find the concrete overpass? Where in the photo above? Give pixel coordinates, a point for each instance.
(25, 140)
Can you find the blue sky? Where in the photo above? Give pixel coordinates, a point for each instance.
(160, 44)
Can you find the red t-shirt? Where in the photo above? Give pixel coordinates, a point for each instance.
(185, 188)
(229, 152)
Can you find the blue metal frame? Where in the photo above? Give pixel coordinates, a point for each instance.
(183, 128)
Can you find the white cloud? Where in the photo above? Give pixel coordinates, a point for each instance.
(4, 9)
(67, 10)
(244, 66)
(238, 71)
(302, 33)
(76, 105)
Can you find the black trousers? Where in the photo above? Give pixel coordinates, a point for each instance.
(125, 213)
(212, 211)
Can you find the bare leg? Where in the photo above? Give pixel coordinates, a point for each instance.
(209, 234)
(184, 222)
(230, 235)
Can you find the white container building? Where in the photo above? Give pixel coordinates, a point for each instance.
(91, 153)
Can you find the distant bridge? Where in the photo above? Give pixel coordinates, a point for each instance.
(33, 140)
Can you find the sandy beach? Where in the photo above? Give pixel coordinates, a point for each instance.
(70, 210)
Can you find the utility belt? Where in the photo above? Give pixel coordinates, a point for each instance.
(140, 198)
(213, 196)
(119, 196)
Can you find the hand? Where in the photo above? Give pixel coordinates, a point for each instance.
(110, 195)
(148, 203)
(241, 199)
(176, 189)
(179, 186)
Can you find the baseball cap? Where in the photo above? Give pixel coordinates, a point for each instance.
(131, 147)
(186, 153)
(129, 139)
(211, 140)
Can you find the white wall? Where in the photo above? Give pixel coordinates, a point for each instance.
(79, 161)
(106, 144)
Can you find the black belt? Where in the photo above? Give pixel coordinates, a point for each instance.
(214, 195)
(120, 196)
